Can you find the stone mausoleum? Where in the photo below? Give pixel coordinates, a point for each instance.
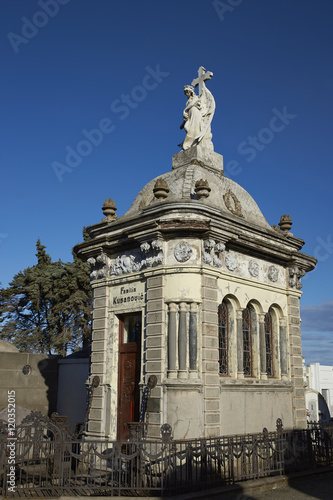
(193, 285)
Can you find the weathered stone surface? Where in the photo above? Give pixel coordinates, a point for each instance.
(198, 155)
(155, 317)
(98, 335)
(154, 293)
(154, 282)
(98, 346)
(293, 301)
(154, 354)
(155, 305)
(154, 329)
(97, 357)
(100, 291)
(155, 341)
(191, 241)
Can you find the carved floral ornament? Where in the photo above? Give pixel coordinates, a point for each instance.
(295, 275)
(182, 251)
(149, 255)
(212, 251)
(254, 268)
(231, 261)
(273, 274)
(232, 203)
(98, 266)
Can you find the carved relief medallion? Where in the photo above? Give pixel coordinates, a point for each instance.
(232, 203)
(183, 251)
(273, 273)
(253, 268)
(231, 261)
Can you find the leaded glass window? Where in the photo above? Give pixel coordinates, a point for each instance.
(269, 344)
(247, 341)
(223, 339)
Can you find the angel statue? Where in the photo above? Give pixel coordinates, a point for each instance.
(198, 113)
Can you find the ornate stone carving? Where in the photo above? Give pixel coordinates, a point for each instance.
(149, 255)
(145, 247)
(182, 251)
(98, 266)
(273, 273)
(254, 268)
(233, 204)
(295, 275)
(212, 252)
(202, 189)
(285, 223)
(231, 261)
(207, 259)
(161, 189)
(198, 113)
(109, 210)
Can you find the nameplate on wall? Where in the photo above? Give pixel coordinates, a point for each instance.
(127, 296)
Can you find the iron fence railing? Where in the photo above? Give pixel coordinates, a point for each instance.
(42, 459)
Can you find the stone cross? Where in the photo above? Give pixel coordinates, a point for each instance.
(203, 75)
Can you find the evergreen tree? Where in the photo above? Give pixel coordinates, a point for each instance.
(47, 307)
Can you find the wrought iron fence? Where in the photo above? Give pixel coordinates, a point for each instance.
(42, 459)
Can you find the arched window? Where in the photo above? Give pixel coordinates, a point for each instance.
(269, 344)
(223, 339)
(247, 343)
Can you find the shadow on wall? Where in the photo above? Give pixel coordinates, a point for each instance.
(32, 379)
(48, 369)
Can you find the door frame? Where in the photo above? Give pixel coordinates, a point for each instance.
(123, 349)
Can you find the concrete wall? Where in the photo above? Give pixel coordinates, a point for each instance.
(36, 391)
(72, 392)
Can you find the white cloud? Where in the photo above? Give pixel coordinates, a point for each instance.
(317, 318)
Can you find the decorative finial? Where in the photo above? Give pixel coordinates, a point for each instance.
(276, 228)
(161, 189)
(285, 223)
(198, 113)
(109, 210)
(202, 189)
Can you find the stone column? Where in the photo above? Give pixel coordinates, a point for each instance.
(263, 367)
(283, 349)
(193, 340)
(172, 340)
(239, 322)
(182, 340)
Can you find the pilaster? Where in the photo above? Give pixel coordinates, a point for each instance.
(154, 347)
(96, 424)
(210, 365)
(296, 362)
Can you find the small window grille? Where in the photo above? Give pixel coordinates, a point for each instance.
(247, 341)
(223, 339)
(269, 344)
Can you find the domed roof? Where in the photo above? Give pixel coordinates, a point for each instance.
(7, 347)
(225, 194)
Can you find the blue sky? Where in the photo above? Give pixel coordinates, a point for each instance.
(69, 65)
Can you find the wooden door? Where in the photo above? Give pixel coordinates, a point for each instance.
(129, 373)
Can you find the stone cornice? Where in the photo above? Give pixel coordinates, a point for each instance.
(194, 219)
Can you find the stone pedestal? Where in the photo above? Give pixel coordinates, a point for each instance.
(197, 155)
